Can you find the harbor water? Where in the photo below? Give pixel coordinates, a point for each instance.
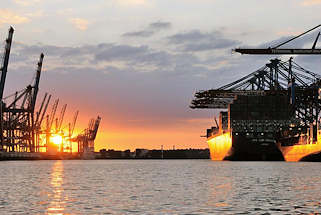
(159, 187)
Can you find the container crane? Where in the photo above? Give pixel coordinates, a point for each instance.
(305, 101)
(277, 77)
(19, 127)
(87, 137)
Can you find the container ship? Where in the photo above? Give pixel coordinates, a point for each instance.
(271, 114)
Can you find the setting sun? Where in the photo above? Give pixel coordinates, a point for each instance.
(57, 139)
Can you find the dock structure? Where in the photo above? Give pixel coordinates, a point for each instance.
(26, 131)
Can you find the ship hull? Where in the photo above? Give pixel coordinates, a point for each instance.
(220, 146)
(298, 152)
(245, 149)
(224, 147)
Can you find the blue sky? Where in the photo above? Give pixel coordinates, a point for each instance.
(138, 62)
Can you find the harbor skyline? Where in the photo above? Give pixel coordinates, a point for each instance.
(137, 63)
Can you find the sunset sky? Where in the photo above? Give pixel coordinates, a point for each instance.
(137, 63)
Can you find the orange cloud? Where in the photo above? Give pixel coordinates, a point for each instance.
(288, 32)
(132, 2)
(311, 2)
(10, 17)
(80, 24)
(26, 2)
(34, 14)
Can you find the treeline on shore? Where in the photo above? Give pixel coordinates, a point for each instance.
(155, 154)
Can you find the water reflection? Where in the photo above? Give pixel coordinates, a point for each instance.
(159, 187)
(56, 205)
(220, 195)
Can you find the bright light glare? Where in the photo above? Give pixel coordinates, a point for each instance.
(56, 139)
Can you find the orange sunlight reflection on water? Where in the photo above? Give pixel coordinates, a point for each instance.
(57, 202)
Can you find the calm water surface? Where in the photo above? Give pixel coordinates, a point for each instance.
(159, 187)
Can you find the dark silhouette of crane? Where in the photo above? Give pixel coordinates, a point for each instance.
(5, 63)
(276, 50)
(86, 139)
(18, 123)
(4, 70)
(301, 86)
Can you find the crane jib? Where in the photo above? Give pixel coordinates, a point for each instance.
(280, 51)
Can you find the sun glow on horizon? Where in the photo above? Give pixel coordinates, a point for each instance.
(57, 139)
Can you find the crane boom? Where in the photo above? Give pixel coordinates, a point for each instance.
(17, 98)
(44, 111)
(36, 85)
(285, 51)
(61, 117)
(73, 123)
(53, 113)
(91, 124)
(95, 128)
(41, 107)
(4, 68)
(271, 51)
(300, 35)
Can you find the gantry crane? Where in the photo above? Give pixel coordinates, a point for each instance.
(17, 121)
(86, 139)
(306, 99)
(277, 77)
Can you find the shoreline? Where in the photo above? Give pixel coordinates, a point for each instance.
(138, 154)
